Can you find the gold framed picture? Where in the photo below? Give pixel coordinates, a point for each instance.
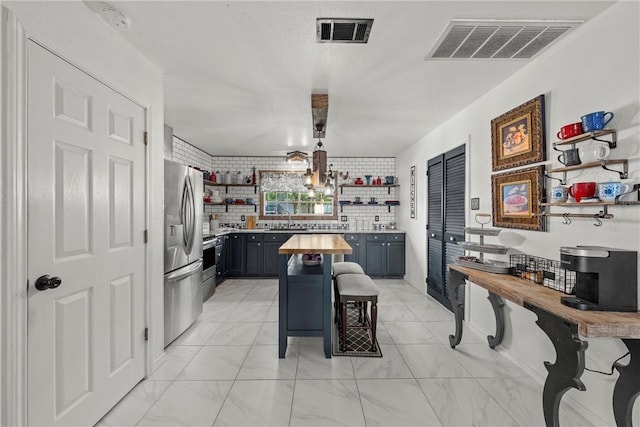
(517, 136)
(516, 199)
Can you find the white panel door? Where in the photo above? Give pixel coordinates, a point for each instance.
(86, 214)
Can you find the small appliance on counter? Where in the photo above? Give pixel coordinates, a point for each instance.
(606, 278)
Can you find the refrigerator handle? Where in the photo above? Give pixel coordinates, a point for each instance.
(184, 272)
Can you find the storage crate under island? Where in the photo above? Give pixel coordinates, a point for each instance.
(305, 291)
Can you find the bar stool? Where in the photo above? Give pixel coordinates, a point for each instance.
(357, 288)
(346, 267)
(342, 267)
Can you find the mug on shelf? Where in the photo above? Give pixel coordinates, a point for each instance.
(608, 191)
(596, 120)
(569, 157)
(569, 131)
(583, 190)
(559, 194)
(594, 152)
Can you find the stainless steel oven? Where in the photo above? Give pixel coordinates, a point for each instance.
(211, 248)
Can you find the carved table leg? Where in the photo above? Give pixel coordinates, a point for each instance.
(566, 372)
(497, 303)
(457, 281)
(627, 386)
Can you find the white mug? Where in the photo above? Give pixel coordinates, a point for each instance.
(559, 194)
(608, 191)
(594, 152)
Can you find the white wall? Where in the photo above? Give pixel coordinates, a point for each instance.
(594, 68)
(74, 32)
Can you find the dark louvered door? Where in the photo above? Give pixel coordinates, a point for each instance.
(435, 227)
(446, 197)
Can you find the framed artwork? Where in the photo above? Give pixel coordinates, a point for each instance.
(516, 199)
(517, 136)
(412, 191)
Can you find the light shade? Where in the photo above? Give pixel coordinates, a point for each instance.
(297, 156)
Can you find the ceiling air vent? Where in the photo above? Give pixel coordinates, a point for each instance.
(497, 39)
(343, 30)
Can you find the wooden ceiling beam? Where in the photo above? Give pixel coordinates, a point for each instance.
(319, 110)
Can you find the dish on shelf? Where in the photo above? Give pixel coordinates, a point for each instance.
(487, 248)
(358, 203)
(392, 202)
(489, 265)
(206, 199)
(345, 202)
(372, 203)
(239, 202)
(483, 231)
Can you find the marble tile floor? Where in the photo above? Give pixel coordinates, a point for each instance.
(225, 371)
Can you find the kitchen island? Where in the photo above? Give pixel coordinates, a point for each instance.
(305, 291)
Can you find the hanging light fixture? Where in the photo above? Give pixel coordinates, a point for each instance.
(297, 156)
(317, 177)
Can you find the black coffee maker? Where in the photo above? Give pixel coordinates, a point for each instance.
(606, 278)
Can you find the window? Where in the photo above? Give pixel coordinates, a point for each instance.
(283, 195)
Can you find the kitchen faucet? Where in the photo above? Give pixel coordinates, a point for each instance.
(288, 216)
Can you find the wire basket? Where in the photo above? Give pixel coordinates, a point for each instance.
(543, 271)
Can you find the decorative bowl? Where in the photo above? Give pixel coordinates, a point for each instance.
(311, 259)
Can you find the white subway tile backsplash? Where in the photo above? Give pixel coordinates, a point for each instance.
(354, 167)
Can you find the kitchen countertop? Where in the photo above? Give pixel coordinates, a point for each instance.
(315, 243)
(226, 231)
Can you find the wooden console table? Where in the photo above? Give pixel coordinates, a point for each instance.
(305, 292)
(563, 325)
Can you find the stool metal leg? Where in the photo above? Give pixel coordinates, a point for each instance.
(374, 322)
(344, 322)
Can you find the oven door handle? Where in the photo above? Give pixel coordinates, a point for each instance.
(184, 272)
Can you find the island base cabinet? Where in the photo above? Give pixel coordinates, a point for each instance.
(304, 318)
(305, 301)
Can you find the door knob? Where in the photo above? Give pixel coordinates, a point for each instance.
(45, 282)
(433, 234)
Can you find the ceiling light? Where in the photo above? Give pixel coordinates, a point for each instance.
(297, 156)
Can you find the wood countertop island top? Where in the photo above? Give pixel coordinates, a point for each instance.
(520, 291)
(315, 244)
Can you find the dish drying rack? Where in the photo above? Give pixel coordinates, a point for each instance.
(479, 263)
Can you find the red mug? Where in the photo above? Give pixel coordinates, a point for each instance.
(569, 131)
(583, 190)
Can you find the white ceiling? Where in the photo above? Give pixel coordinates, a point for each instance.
(239, 74)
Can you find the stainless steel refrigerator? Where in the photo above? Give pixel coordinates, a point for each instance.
(182, 248)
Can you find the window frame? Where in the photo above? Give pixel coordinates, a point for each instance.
(263, 202)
